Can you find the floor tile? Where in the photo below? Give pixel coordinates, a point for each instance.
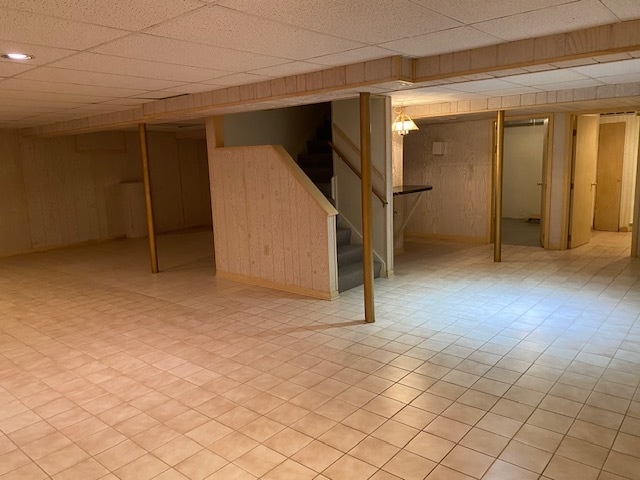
(494, 370)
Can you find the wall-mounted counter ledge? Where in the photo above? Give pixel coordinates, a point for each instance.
(407, 189)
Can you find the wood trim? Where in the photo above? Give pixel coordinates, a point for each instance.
(260, 282)
(341, 133)
(346, 161)
(550, 49)
(26, 251)
(303, 179)
(341, 82)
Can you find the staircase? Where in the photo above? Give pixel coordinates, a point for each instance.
(317, 163)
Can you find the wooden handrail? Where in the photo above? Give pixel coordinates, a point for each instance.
(341, 133)
(354, 170)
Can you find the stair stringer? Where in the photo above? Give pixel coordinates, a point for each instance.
(356, 238)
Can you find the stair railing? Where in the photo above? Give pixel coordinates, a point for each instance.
(356, 171)
(355, 149)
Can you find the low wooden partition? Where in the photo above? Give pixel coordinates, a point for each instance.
(272, 226)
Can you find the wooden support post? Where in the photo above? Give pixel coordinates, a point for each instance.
(153, 252)
(497, 188)
(367, 231)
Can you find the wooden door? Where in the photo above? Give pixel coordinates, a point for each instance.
(583, 179)
(609, 177)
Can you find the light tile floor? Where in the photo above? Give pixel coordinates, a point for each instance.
(521, 370)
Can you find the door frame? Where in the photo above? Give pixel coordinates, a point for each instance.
(545, 196)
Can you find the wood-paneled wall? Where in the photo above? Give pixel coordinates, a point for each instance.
(66, 190)
(459, 205)
(271, 225)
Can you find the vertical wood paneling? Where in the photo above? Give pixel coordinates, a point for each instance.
(276, 224)
(68, 188)
(292, 206)
(275, 218)
(15, 233)
(458, 205)
(304, 239)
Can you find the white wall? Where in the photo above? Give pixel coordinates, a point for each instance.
(66, 190)
(346, 116)
(289, 127)
(459, 205)
(523, 156)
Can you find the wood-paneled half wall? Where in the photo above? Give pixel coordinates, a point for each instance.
(272, 226)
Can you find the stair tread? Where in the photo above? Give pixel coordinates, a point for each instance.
(352, 275)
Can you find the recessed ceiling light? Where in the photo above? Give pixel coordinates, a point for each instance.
(16, 56)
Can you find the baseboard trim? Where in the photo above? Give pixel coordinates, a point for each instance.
(15, 253)
(261, 282)
(453, 238)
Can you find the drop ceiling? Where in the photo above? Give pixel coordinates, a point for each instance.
(94, 57)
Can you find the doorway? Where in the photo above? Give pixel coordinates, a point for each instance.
(525, 148)
(603, 176)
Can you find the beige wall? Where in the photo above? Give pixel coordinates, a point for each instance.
(65, 190)
(272, 227)
(459, 204)
(289, 127)
(629, 165)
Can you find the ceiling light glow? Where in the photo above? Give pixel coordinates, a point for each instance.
(17, 56)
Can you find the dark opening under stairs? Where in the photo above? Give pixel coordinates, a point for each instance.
(317, 163)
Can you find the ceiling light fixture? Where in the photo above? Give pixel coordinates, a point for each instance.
(403, 123)
(16, 56)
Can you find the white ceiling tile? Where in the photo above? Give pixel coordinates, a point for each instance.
(353, 56)
(49, 96)
(26, 109)
(562, 18)
(550, 76)
(128, 15)
(168, 50)
(623, 78)
(461, 38)
(589, 82)
(613, 57)
(188, 88)
(472, 11)
(538, 68)
(624, 9)
(239, 79)
(510, 91)
(158, 95)
(66, 88)
(125, 101)
(27, 27)
(223, 27)
(482, 85)
(577, 62)
(95, 62)
(78, 77)
(430, 95)
(286, 69)
(365, 21)
(30, 102)
(609, 69)
(10, 68)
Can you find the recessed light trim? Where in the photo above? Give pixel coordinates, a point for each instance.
(16, 56)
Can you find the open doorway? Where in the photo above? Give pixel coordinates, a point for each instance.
(525, 148)
(605, 158)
